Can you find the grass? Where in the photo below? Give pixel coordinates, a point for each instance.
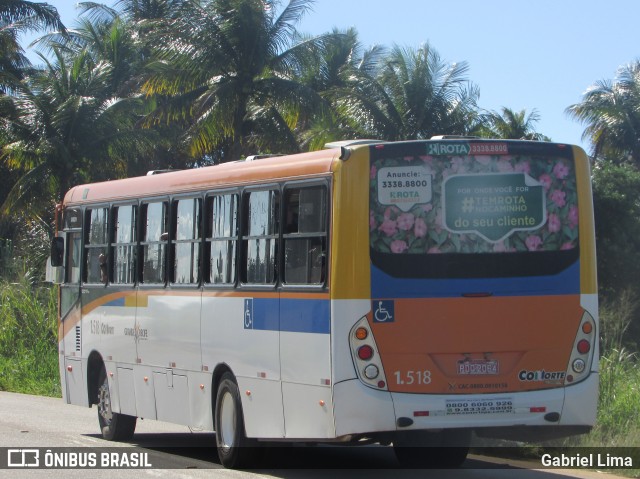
(619, 403)
(28, 339)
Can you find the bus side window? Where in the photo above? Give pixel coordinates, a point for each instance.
(73, 258)
(187, 241)
(97, 246)
(154, 242)
(124, 258)
(305, 235)
(260, 235)
(222, 238)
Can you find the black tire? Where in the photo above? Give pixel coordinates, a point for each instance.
(432, 450)
(114, 426)
(235, 450)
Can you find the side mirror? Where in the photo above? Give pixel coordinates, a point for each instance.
(57, 251)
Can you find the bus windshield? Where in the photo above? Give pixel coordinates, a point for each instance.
(476, 208)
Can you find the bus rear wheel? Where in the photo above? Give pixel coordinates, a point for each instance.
(425, 449)
(114, 426)
(235, 450)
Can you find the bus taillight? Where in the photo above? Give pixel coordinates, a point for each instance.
(583, 346)
(367, 363)
(582, 354)
(365, 352)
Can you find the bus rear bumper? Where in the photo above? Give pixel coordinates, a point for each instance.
(558, 412)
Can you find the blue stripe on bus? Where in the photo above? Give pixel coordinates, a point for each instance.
(385, 286)
(305, 316)
(115, 302)
(296, 315)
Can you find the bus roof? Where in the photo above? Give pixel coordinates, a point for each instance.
(230, 174)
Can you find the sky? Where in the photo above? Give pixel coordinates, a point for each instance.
(535, 55)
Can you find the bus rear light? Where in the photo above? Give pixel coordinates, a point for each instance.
(365, 352)
(367, 364)
(420, 413)
(584, 349)
(371, 371)
(538, 409)
(583, 346)
(362, 333)
(578, 365)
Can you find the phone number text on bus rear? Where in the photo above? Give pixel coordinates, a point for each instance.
(482, 406)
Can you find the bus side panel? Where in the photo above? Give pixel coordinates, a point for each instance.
(361, 409)
(308, 411)
(200, 400)
(76, 384)
(144, 385)
(242, 334)
(126, 391)
(172, 397)
(167, 329)
(305, 355)
(581, 402)
(106, 319)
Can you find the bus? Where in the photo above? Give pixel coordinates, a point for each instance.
(403, 293)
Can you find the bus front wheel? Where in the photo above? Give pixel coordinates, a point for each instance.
(114, 426)
(235, 450)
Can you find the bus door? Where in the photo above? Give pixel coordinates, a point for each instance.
(70, 328)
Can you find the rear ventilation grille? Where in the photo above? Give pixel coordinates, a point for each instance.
(78, 338)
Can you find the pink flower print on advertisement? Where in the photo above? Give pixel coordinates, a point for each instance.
(554, 223)
(388, 227)
(560, 170)
(405, 221)
(559, 198)
(420, 228)
(399, 246)
(533, 243)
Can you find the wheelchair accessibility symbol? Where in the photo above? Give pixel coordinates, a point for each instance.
(248, 314)
(383, 311)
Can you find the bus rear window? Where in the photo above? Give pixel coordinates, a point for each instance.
(466, 199)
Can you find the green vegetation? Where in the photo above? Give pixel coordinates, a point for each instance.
(28, 339)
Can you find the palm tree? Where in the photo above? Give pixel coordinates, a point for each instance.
(331, 70)
(228, 68)
(611, 112)
(511, 124)
(115, 40)
(17, 16)
(69, 128)
(413, 94)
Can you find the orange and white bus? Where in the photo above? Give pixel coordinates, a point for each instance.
(405, 293)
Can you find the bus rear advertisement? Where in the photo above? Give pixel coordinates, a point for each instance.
(407, 293)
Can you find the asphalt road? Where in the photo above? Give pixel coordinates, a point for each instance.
(176, 452)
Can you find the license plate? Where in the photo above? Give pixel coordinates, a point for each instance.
(479, 406)
(478, 367)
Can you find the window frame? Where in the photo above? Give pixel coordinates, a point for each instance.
(245, 238)
(323, 284)
(142, 213)
(174, 241)
(135, 206)
(87, 245)
(209, 239)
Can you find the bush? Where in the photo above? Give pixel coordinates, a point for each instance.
(28, 339)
